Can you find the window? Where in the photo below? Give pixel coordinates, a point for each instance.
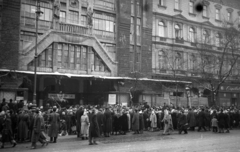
(177, 31)
(49, 56)
(190, 7)
(161, 29)
(191, 35)
(62, 16)
(131, 58)
(73, 17)
(217, 14)
(206, 36)
(177, 5)
(229, 16)
(204, 11)
(138, 32)
(161, 2)
(84, 20)
(132, 9)
(65, 56)
(162, 60)
(132, 31)
(138, 9)
(72, 56)
(59, 55)
(104, 22)
(218, 39)
(179, 60)
(63, 5)
(193, 62)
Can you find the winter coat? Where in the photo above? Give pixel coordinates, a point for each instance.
(201, 119)
(23, 123)
(79, 114)
(94, 128)
(54, 121)
(153, 119)
(36, 128)
(108, 121)
(84, 124)
(124, 121)
(135, 121)
(191, 119)
(221, 120)
(6, 129)
(100, 119)
(141, 122)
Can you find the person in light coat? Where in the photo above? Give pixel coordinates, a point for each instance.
(84, 125)
(153, 119)
(167, 120)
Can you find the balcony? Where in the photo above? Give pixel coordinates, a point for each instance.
(179, 40)
(158, 38)
(72, 28)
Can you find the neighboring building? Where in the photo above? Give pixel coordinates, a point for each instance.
(178, 27)
(124, 50)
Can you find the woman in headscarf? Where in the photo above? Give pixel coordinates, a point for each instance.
(153, 119)
(167, 119)
(84, 125)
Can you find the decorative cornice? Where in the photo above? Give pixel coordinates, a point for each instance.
(230, 10)
(206, 3)
(218, 6)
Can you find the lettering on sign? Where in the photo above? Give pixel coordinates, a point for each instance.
(233, 88)
(64, 96)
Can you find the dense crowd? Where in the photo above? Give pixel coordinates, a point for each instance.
(29, 123)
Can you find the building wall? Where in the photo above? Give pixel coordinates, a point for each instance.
(9, 34)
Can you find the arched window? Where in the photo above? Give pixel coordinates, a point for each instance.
(218, 39)
(161, 31)
(191, 35)
(162, 59)
(177, 31)
(205, 36)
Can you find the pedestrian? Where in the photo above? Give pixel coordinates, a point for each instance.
(94, 128)
(214, 124)
(135, 122)
(54, 121)
(36, 129)
(84, 125)
(23, 125)
(108, 122)
(79, 114)
(100, 119)
(221, 121)
(6, 129)
(202, 120)
(182, 123)
(191, 119)
(167, 122)
(153, 120)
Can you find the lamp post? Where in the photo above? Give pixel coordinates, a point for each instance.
(38, 13)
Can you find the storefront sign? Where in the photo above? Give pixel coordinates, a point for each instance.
(232, 88)
(62, 96)
(112, 99)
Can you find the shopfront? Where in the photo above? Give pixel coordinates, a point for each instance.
(229, 95)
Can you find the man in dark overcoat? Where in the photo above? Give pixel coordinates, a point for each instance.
(54, 121)
(191, 120)
(135, 122)
(94, 127)
(182, 123)
(100, 119)
(6, 129)
(108, 122)
(201, 120)
(79, 113)
(36, 129)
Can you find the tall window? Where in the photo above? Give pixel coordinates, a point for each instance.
(131, 58)
(138, 32)
(206, 36)
(132, 31)
(217, 14)
(62, 16)
(179, 60)
(190, 7)
(205, 11)
(229, 16)
(176, 4)
(218, 39)
(177, 31)
(161, 29)
(161, 2)
(132, 8)
(162, 60)
(73, 17)
(138, 9)
(191, 35)
(47, 11)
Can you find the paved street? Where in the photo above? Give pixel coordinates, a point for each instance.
(147, 142)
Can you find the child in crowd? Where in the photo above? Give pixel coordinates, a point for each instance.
(215, 124)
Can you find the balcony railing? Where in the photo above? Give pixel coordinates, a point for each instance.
(72, 28)
(104, 35)
(179, 40)
(158, 38)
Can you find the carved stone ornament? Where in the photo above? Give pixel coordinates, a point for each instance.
(74, 3)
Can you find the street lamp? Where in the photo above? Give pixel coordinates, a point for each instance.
(38, 13)
(188, 96)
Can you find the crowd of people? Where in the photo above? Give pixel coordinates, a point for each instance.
(29, 123)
